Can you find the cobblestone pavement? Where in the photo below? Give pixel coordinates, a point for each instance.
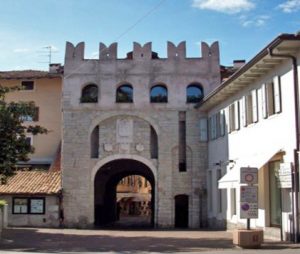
(40, 240)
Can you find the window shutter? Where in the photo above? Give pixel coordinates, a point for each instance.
(231, 118)
(264, 101)
(243, 110)
(36, 114)
(237, 115)
(222, 123)
(254, 106)
(203, 129)
(213, 125)
(277, 94)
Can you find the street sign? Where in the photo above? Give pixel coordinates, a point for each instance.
(248, 210)
(249, 194)
(248, 202)
(284, 179)
(249, 175)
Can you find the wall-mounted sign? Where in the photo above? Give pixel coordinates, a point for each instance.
(249, 175)
(284, 179)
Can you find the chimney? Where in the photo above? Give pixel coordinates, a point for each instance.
(238, 63)
(55, 68)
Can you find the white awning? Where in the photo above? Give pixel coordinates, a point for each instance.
(230, 179)
(258, 160)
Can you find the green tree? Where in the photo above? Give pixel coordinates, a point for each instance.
(13, 144)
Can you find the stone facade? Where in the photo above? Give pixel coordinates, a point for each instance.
(125, 128)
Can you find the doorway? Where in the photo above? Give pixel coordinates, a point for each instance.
(181, 211)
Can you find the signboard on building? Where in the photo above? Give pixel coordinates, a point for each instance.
(284, 179)
(249, 175)
(249, 202)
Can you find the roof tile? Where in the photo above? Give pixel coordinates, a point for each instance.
(32, 182)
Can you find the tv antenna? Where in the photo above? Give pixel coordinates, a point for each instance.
(49, 51)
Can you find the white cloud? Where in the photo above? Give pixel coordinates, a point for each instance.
(21, 50)
(257, 21)
(290, 6)
(225, 6)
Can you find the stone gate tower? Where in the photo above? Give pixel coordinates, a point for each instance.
(135, 116)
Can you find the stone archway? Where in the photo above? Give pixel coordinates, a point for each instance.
(105, 183)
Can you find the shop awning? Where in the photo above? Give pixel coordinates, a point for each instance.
(231, 178)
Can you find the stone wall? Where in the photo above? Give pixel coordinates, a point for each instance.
(135, 120)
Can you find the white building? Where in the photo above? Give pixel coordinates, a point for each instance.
(253, 120)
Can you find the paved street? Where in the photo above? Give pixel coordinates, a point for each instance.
(128, 241)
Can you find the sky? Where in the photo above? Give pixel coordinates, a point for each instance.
(243, 27)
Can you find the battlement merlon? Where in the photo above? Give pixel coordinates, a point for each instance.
(141, 52)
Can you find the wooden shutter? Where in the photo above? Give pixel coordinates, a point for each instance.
(243, 111)
(264, 101)
(254, 106)
(237, 115)
(277, 94)
(222, 123)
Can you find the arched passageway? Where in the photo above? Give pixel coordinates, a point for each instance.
(106, 181)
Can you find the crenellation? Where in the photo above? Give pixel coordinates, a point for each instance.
(142, 52)
(108, 53)
(176, 52)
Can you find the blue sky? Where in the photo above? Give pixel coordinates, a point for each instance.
(242, 27)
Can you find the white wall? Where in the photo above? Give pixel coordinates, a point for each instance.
(255, 144)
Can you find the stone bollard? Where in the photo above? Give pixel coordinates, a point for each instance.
(248, 239)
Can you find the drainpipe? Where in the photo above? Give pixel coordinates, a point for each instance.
(295, 173)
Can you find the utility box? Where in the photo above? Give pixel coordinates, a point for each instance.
(248, 239)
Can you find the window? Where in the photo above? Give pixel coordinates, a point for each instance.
(217, 125)
(32, 117)
(27, 85)
(20, 205)
(153, 143)
(194, 93)
(29, 205)
(222, 123)
(234, 116)
(124, 94)
(213, 127)
(203, 129)
(89, 94)
(251, 109)
(182, 141)
(28, 140)
(271, 97)
(158, 94)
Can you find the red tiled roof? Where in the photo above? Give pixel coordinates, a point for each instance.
(27, 74)
(32, 182)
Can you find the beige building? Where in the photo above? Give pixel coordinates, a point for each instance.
(35, 197)
(44, 88)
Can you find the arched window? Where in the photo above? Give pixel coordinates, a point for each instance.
(89, 94)
(124, 93)
(159, 93)
(194, 93)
